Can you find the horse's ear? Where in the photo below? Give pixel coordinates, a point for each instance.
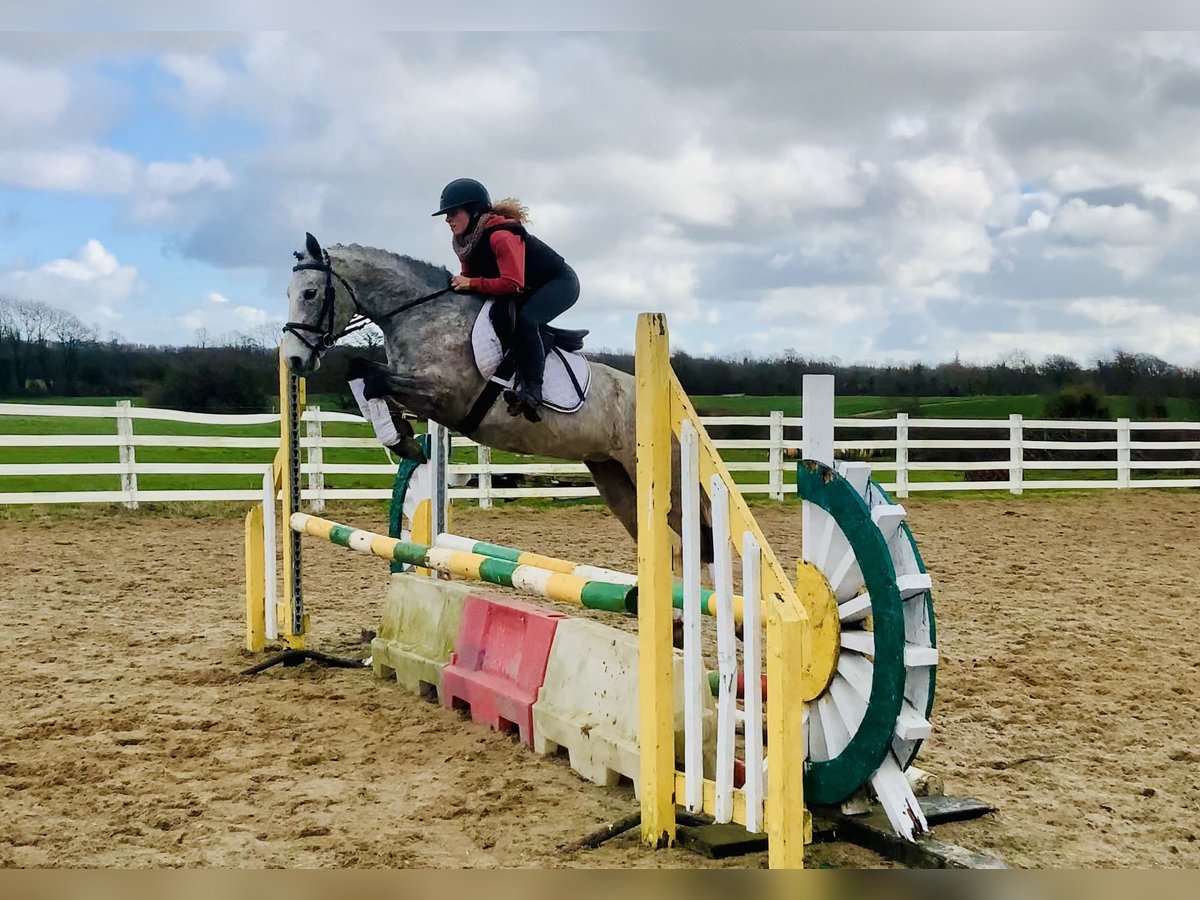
(311, 245)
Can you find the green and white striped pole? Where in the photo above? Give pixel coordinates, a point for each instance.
(560, 586)
(553, 564)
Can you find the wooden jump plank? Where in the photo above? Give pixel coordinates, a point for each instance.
(874, 832)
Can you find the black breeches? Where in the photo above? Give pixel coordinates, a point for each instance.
(550, 300)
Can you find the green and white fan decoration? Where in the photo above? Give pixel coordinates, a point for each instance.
(867, 725)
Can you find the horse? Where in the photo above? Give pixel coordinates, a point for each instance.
(431, 369)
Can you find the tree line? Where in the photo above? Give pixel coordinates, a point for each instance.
(49, 352)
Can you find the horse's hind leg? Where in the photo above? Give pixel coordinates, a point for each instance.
(619, 493)
(617, 490)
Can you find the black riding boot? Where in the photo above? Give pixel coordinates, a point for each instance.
(531, 360)
(525, 400)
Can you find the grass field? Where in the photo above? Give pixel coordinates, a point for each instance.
(865, 407)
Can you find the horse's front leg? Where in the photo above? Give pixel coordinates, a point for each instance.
(379, 381)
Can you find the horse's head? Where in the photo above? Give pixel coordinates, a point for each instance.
(320, 307)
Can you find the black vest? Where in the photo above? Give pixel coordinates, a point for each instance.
(542, 264)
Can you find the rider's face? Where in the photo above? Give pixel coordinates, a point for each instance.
(458, 220)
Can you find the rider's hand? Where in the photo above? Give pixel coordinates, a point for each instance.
(460, 282)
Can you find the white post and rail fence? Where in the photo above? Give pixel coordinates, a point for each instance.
(129, 455)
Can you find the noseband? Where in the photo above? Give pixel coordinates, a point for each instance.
(326, 336)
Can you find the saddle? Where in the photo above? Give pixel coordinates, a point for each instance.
(567, 375)
(503, 313)
(566, 339)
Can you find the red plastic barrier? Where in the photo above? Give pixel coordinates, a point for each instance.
(499, 662)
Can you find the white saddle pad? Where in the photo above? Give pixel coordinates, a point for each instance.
(558, 391)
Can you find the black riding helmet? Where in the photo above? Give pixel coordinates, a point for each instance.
(464, 192)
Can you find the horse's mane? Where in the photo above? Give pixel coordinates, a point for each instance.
(387, 271)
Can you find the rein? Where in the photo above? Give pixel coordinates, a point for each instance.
(324, 329)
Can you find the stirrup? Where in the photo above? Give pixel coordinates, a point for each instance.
(522, 403)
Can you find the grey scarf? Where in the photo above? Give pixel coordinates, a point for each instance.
(464, 245)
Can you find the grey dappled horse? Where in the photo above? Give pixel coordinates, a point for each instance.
(431, 367)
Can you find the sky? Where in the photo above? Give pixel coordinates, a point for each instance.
(875, 197)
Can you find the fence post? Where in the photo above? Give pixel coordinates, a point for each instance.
(656, 672)
(817, 392)
(775, 454)
(1016, 459)
(316, 458)
(902, 454)
(484, 458)
(440, 442)
(127, 456)
(1124, 454)
(817, 407)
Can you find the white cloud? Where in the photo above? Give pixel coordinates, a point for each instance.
(1180, 199)
(820, 307)
(907, 127)
(219, 317)
(802, 178)
(91, 282)
(91, 262)
(82, 169)
(1124, 224)
(1039, 220)
(668, 285)
(1131, 322)
(251, 316)
(955, 187)
(930, 256)
(695, 186)
(1073, 178)
(1108, 310)
(688, 185)
(32, 99)
(155, 191)
(181, 178)
(202, 78)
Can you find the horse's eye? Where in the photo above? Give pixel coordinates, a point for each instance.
(310, 294)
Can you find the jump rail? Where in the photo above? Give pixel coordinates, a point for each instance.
(560, 586)
(665, 418)
(708, 598)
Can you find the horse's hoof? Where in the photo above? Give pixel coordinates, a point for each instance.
(408, 448)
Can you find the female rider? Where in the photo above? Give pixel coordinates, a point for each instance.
(502, 260)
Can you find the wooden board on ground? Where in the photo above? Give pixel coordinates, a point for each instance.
(721, 841)
(874, 832)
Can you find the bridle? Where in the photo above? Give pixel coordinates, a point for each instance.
(326, 337)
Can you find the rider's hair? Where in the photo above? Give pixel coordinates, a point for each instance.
(512, 208)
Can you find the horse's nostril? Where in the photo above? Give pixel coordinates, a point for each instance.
(295, 363)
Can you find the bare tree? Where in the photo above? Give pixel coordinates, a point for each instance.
(8, 338)
(266, 335)
(369, 337)
(33, 322)
(39, 327)
(71, 334)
